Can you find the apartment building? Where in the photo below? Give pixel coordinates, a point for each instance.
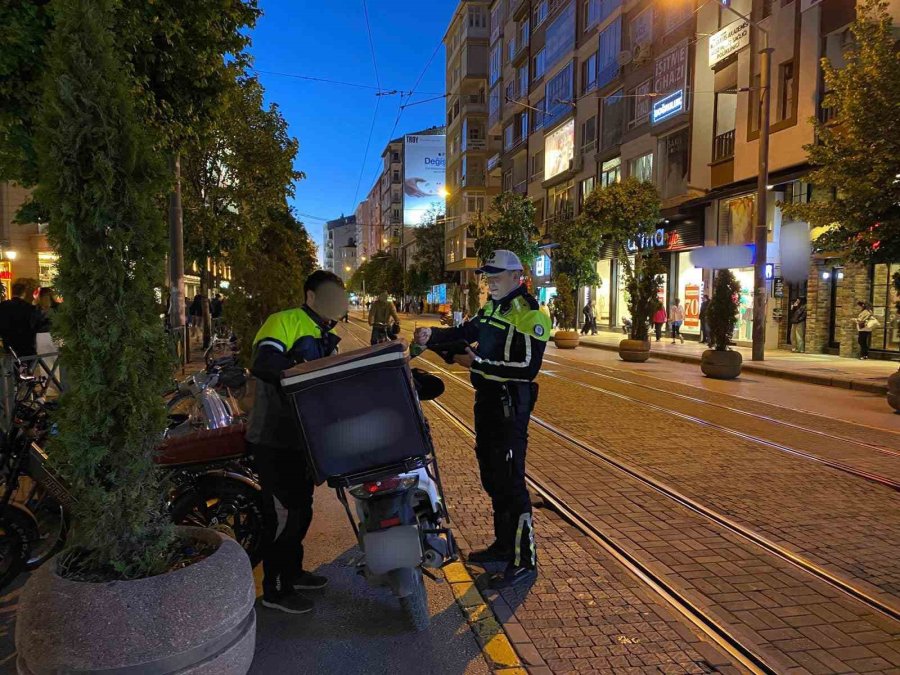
(586, 92)
(340, 246)
(370, 233)
(469, 186)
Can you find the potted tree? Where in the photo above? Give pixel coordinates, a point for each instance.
(129, 593)
(565, 336)
(720, 362)
(625, 215)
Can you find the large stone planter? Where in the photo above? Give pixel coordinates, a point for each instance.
(635, 351)
(566, 339)
(893, 396)
(199, 620)
(721, 365)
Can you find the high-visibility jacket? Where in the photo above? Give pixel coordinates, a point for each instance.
(508, 337)
(285, 339)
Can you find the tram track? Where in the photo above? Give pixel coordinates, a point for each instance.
(872, 601)
(566, 363)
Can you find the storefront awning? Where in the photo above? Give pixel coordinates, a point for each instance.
(775, 178)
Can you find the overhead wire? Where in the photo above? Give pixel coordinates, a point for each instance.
(362, 167)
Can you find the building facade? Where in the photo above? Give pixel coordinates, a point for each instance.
(24, 249)
(340, 255)
(585, 93)
(469, 185)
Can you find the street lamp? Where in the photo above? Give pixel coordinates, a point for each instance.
(761, 230)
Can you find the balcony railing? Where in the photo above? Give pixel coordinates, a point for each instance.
(564, 215)
(723, 146)
(521, 187)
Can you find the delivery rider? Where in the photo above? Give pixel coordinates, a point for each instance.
(286, 339)
(507, 337)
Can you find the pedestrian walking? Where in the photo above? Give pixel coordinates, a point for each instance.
(659, 320)
(511, 334)
(216, 307)
(590, 321)
(676, 318)
(798, 325)
(704, 321)
(195, 312)
(865, 323)
(21, 321)
(286, 338)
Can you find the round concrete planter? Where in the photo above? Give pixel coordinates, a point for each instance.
(893, 396)
(721, 365)
(198, 620)
(635, 351)
(566, 339)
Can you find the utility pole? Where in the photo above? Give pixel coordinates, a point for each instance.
(761, 229)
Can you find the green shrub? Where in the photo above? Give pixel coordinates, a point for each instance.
(723, 308)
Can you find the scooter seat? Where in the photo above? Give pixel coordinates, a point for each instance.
(204, 446)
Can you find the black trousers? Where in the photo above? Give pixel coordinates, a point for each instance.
(288, 487)
(865, 341)
(501, 440)
(658, 326)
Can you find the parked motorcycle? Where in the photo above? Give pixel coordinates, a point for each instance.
(388, 481)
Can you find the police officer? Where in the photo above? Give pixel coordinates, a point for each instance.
(285, 339)
(507, 338)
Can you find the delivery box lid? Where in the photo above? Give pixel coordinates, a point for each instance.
(309, 372)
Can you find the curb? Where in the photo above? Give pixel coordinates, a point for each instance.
(498, 651)
(809, 378)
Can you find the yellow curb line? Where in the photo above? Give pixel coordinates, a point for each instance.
(495, 645)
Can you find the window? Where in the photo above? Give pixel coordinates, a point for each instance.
(589, 74)
(611, 172)
(496, 64)
(511, 48)
(539, 115)
(477, 17)
(523, 124)
(538, 65)
(641, 167)
(613, 120)
(496, 21)
(678, 12)
(755, 104)
(524, 33)
(507, 181)
(589, 134)
(607, 57)
(537, 165)
(510, 92)
(591, 14)
(639, 104)
(560, 36)
(641, 28)
(766, 8)
(559, 94)
(395, 157)
(723, 139)
(475, 204)
(586, 188)
(508, 137)
(523, 80)
(786, 84)
(396, 176)
(540, 13)
(673, 164)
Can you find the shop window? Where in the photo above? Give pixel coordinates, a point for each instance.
(736, 220)
(611, 172)
(641, 167)
(886, 305)
(786, 91)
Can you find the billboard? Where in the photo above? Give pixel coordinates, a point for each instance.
(424, 161)
(559, 149)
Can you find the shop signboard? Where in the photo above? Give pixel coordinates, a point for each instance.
(778, 287)
(559, 150)
(730, 40)
(424, 161)
(692, 306)
(682, 236)
(670, 83)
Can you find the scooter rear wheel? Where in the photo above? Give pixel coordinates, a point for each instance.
(415, 605)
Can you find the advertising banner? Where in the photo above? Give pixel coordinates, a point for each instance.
(424, 162)
(692, 306)
(730, 40)
(559, 149)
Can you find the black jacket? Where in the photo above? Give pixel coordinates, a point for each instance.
(799, 314)
(20, 322)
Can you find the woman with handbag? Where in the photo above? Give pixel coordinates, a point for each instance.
(865, 322)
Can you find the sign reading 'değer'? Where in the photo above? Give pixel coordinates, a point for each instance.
(731, 39)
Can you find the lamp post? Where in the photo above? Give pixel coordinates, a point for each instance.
(760, 230)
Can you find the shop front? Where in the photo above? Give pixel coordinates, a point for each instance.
(886, 305)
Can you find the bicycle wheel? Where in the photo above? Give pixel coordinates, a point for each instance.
(17, 532)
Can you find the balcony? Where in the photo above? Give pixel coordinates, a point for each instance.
(563, 215)
(493, 163)
(521, 187)
(472, 104)
(723, 146)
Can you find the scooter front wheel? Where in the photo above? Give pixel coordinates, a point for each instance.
(415, 605)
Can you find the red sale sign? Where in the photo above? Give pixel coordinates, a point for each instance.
(692, 306)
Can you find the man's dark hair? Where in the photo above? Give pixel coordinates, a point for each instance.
(18, 289)
(319, 277)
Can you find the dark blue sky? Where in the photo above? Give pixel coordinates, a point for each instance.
(329, 40)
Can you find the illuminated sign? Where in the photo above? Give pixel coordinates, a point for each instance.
(559, 150)
(539, 266)
(424, 162)
(730, 40)
(667, 106)
(770, 271)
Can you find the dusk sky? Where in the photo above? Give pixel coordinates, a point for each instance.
(329, 40)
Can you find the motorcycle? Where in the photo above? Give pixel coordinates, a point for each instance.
(397, 509)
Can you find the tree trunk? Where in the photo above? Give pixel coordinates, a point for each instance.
(176, 255)
(205, 286)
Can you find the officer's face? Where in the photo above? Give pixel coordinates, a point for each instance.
(501, 285)
(328, 301)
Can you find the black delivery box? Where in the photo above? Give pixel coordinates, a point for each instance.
(357, 411)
